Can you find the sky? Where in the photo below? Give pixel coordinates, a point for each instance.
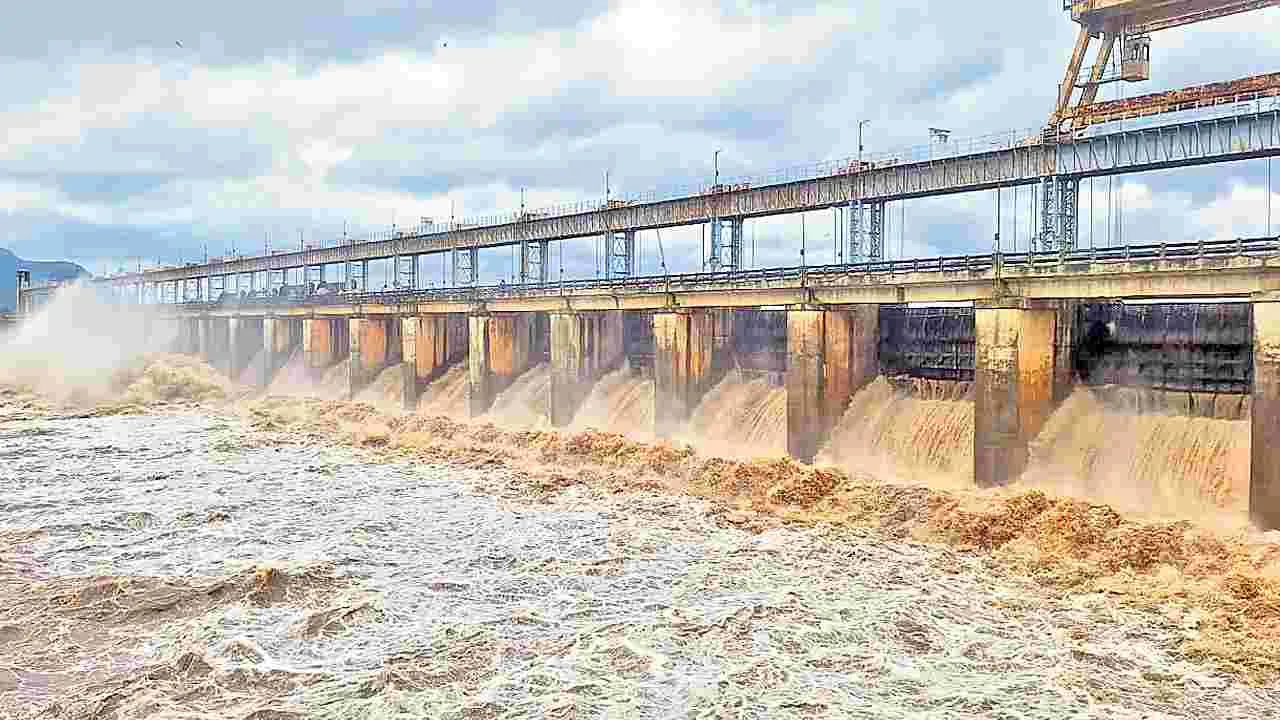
(151, 132)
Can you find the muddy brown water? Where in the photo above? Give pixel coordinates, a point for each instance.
(437, 591)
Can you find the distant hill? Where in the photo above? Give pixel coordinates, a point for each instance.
(41, 272)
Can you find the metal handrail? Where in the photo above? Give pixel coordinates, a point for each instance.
(1009, 262)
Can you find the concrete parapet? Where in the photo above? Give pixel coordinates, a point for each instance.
(1013, 388)
(1264, 469)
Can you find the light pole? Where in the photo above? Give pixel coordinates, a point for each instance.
(715, 163)
(939, 134)
(861, 124)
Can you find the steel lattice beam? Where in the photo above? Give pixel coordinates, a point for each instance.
(1255, 133)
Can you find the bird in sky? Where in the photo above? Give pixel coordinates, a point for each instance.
(178, 43)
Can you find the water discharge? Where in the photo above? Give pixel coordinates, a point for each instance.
(741, 417)
(621, 402)
(525, 403)
(224, 601)
(915, 431)
(170, 563)
(447, 395)
(386, 391)
(335, 381)
(1159, 462)
(293, 378)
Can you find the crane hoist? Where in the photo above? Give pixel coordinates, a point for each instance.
(1128, 25)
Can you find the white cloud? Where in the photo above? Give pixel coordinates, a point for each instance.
(152, 141)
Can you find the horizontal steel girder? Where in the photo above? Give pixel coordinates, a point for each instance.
(1242, 136)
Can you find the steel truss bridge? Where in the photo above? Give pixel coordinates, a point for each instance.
(1249, 128)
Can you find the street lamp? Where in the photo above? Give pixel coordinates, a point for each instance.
(715, 162)
(861, 123)
(939, 134)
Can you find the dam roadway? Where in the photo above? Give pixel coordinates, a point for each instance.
(1028, 334)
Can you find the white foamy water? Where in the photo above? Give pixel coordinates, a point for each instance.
(491, 604)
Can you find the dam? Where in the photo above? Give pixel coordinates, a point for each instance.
(989, 353)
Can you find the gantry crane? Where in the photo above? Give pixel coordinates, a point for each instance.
(1129, 23)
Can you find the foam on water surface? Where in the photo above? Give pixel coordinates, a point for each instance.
(437, 591)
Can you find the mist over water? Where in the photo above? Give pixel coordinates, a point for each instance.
(293, 378)
(71, 348)
(335, 381)
(920, 431)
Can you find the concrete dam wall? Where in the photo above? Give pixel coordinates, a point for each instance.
(987, 395)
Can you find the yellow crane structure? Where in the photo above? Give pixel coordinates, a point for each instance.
(1129, 24)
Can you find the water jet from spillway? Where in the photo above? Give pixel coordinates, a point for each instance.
(621, 402)
(524, 404)
(742, 417)
(1155, 460)
(447, 395)
(386, 392)
(912, 430)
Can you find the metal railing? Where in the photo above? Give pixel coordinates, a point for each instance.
(805, 275)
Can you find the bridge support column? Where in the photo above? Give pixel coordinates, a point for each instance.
(320, 344)
(584, 346)
(1264, 468)
(1014, 382)
(684, 364)
(830, 355)
(426, 352)
(410, 330)
(244, 338)
(498, 354)
(277, 343)
(204, 338)
(234, 348)
(367, 338)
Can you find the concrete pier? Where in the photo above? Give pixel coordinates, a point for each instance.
(322, 343)
(1264, 467)
(235, 347)
(1014, 387)
(685, 364)
(430, 344)
(805, 404)
(277, 344)
(584, 346)
(368, 347)
(498, 352)
(831, 354)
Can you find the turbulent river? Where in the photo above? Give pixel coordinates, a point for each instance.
(186, 565)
